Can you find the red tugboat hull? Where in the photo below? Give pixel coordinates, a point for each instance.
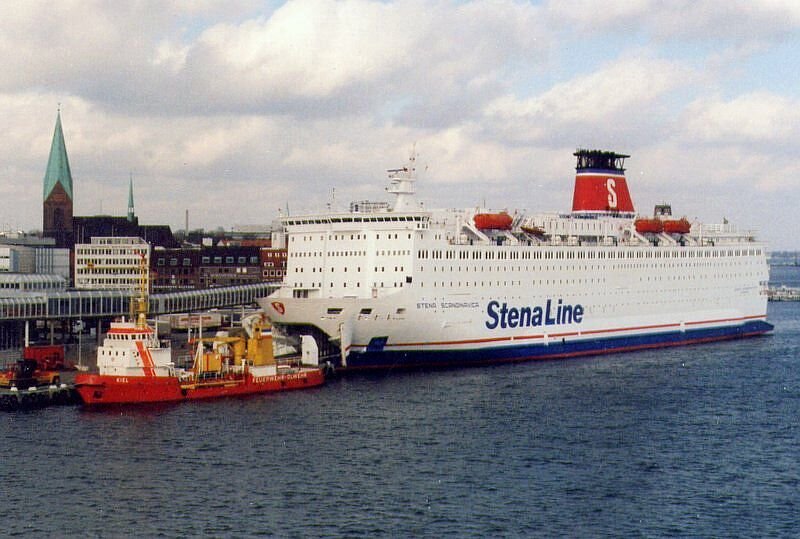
(99, 389)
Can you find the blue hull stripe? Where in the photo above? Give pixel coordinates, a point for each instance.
(377, 359)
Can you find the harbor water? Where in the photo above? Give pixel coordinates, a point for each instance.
(699, 441)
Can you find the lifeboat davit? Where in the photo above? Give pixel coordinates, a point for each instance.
(677, 226)
(649, 226)
(493, 221)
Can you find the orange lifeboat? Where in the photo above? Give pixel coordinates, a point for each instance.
(677, 226)
(533, 230)
(493, 221)
(649, 226)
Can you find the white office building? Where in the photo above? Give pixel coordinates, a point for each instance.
(112, 263)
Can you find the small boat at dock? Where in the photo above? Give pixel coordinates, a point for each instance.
(135, 366)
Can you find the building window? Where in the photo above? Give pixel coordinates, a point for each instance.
(206, 260)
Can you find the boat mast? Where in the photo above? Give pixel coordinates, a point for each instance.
(401, 184)
(139, 304)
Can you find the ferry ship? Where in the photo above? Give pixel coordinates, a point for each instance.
(400, 285)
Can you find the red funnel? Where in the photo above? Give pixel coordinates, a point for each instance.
(600, 184)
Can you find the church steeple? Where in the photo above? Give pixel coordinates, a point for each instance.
(57, 207)
(131, 215)
(58, 171)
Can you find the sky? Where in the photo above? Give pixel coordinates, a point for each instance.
(236, 110)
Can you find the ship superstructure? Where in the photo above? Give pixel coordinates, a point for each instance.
(402, 285)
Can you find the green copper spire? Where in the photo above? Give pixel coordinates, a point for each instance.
(130, 199)
(58, 164)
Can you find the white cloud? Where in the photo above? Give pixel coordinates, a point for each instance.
(735, 20)
(759, 117)
(598, 107)
(311, 48)
(325, 58)
(170, 55)
(307, 57)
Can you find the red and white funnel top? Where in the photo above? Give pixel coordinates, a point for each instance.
(600, 185)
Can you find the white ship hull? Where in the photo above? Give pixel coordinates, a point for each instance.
(407, 328)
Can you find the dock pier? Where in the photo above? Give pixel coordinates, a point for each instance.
(13, 399)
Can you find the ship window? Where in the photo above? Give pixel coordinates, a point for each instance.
(334, 310)
(366, 311)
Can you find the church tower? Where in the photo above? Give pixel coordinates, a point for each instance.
(57, 211)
